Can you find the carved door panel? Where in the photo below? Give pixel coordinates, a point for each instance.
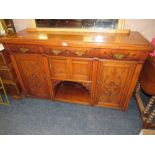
(58, 68)
(33, 76)
(113, 80)
(80, 69)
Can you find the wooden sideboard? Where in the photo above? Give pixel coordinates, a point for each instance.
(97, 69)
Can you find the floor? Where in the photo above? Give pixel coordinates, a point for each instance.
(37, 116)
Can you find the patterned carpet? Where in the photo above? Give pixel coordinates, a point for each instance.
(37, 116)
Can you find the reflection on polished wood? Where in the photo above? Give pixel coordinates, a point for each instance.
(133, 40)
(97, 69)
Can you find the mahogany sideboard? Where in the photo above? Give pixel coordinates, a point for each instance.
(97, 69)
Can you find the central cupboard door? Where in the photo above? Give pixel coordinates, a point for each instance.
(58, 68)
(80, 69)
(113, 80)
(30, 69)
(73, 69)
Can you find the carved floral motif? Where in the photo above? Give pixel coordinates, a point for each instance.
(112, 85)
(36, 82)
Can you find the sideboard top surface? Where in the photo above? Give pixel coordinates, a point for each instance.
(132, 41)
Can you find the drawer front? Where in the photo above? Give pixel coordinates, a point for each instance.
(70, 52)
(7, 73)
(119, 54)
(20, 48)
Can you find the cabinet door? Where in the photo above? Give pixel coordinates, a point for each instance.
(113, 81)
(80, 69)
(58, 68)
(76, 69)
(31, 72)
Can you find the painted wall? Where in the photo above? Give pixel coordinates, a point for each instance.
(145, 26)
(21, 24)
(1, 27)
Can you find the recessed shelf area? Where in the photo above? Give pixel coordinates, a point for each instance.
(72, 92)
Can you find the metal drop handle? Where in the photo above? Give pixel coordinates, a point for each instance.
(119, 56)
(56, 52)
(79, 53)
(24, 50)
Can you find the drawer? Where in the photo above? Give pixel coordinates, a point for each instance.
(7, 73)
(119, 54)
(70, 52)
(20, 48)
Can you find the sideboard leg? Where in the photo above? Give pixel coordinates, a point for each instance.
(138, 87)
(151, 116)
(149, 105)
(149, 120)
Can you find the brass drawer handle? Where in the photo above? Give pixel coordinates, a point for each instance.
(119, 56)
(56, 52)
(79, 53)
(24, 50)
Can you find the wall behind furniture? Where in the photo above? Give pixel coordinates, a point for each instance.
(21, 24)
(1, 27)
(145, 26)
